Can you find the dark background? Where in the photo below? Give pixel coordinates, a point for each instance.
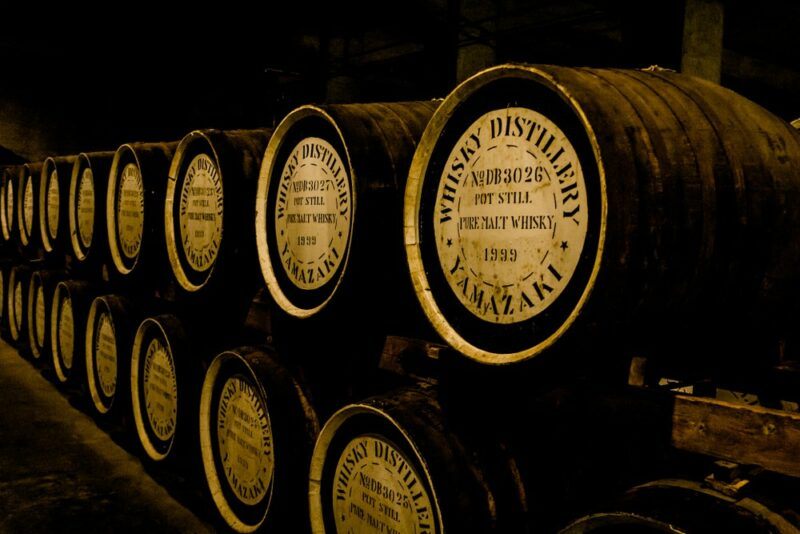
(87, 80)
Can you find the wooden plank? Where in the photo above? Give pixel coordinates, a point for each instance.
(750, 435)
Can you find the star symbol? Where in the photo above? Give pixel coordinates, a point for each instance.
(449, 242)
(564, 245)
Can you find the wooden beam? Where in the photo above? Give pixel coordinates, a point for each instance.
(702, 39)
(744, 434)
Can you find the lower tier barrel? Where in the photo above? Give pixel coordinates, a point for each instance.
(110, 327)
(683, 507)
(17, 294)
(5, 273)
(392, 464)
(165, 382)
(257, 432)
(69, 309)
(40, 299)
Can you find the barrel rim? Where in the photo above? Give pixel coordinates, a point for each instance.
(579, 525)
(94, 393)
(413, 194)
(8, 189)
(111, 212)
(264, 179)
(136, 402)
(72, 207)
(169, 202)
(320, 457)
(4, 229)
(207, 447)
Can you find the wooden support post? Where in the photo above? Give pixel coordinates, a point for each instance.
(702, 39)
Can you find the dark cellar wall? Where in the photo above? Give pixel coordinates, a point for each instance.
(77, 83)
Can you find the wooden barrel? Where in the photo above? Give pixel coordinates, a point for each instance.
(556, 207)
(392, 464)
(28, 209)
(208, 211)
(134, 208)
(8, 217)
(165, 382)
(257, 432)
(39, 306)
(110, 327)
(68, 314)
(683, 507)
(86, 209)
(17, 294)
(5, 272)
(323, 166)
(53, 221)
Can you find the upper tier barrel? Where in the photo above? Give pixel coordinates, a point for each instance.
(86, 207)
(208, 214)
(329, 203)
(8, 218)
(53, 224)
(549, 204)
(28, 208)
(134, 207)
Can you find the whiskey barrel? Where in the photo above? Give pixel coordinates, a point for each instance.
(257, 432)
(69, 310)
(86, 209)
(28, 209)
(552, 207)
(329, 203)
(39, 305)
(53, 194)
(165, 382)
(134, 208)
(683, 507)
(208, 212)
(110, 327)
(8, 217)
(392, 464)
(17, 293)
(5, 272)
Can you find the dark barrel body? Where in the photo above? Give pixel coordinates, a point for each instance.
(88, 251)
(30, 238)
(552, 209)
(208, 221)
(68, 313)
(328, 225)
(396, 452)
(257, 431)
(683, 507)
(40, 301)
(53, 219)
(134, 213)
(110, 327)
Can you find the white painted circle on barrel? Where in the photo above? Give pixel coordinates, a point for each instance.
(9, 204)
(66, 333)
(27, 206)
(244, 436)
(86, 207)
(376, 488)
(18, 305)
(160, 390)
(130, 210)
(510, 215)
(53, 205)
(201, 210)
(40, 315)
(105, 351)
(313, 211)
